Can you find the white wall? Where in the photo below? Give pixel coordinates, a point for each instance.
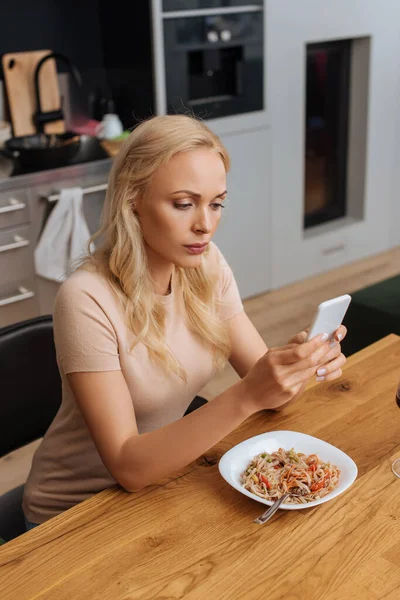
(242, 235)
(290, 25)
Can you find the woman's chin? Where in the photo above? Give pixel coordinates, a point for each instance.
(189, 262)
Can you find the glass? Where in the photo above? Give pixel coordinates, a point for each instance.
(396, 464)
(326, 131)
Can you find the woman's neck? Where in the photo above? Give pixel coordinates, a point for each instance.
(162, 284)
(161, 273)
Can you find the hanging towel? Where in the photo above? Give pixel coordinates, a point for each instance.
(64, 238)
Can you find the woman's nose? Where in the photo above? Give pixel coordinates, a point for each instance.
(203, 222)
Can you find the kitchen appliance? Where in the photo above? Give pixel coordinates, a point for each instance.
(327, 111)
(214, 59)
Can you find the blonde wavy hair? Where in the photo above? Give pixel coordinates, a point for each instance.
(121, 254)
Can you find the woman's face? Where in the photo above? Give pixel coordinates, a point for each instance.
(182, 206)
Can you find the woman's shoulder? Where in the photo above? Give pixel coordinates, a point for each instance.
(85, 284)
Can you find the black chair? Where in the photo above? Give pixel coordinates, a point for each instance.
(31, 396)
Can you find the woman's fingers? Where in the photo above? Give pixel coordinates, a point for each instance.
(340, 333)
(325, 372)
(334, 375)
(305, 370)
(299, 338)
(314, 350)
(334, 351)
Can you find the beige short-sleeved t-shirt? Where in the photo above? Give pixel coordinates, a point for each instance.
(91, 335)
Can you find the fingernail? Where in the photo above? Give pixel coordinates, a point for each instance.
(339, 337)
(321, 372)
(332, 343)
(324, 337)
(320, 378)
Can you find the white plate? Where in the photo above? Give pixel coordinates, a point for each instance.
(235, 461)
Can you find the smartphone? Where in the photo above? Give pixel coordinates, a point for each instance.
(329, 316)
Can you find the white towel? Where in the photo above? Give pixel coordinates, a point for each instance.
(64, 238)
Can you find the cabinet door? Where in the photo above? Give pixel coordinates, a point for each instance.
(18, 301)
(243, 234)
(16, 259)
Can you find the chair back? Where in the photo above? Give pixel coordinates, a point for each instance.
(30, 382)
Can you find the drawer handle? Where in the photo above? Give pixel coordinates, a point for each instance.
(24, 294)
(13, 204)
(18, 243)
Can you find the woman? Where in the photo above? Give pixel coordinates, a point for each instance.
(142, 325)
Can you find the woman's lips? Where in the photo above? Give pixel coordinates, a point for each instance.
(196, 248)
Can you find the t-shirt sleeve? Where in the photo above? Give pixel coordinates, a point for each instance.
(230, 301)
(84, 337)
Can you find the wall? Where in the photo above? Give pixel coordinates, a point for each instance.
(71, 28)
(290, 25)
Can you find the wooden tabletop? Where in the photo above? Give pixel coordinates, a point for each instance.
(193, 536)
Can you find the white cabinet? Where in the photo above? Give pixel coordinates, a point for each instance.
(23, 213)
(18, 298)
(243, 235)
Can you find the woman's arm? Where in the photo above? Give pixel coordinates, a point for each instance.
(137, 460)
(247, 344)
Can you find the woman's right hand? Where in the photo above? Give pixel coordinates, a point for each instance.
(278, 376)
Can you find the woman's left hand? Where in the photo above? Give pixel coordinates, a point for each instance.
(334, 360)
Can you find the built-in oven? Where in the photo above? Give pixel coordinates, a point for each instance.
(213, 57)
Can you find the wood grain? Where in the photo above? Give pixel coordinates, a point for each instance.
(192, 536)
(21, 90)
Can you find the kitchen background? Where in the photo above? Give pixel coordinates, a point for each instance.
(305, 95)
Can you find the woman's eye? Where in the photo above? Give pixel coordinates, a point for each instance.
(217, 206)
(182, 206)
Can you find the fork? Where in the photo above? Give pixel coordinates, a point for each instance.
(271, 510)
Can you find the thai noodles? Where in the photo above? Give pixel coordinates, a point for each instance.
(286, 471)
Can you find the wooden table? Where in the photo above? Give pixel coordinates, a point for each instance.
(193, 536)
